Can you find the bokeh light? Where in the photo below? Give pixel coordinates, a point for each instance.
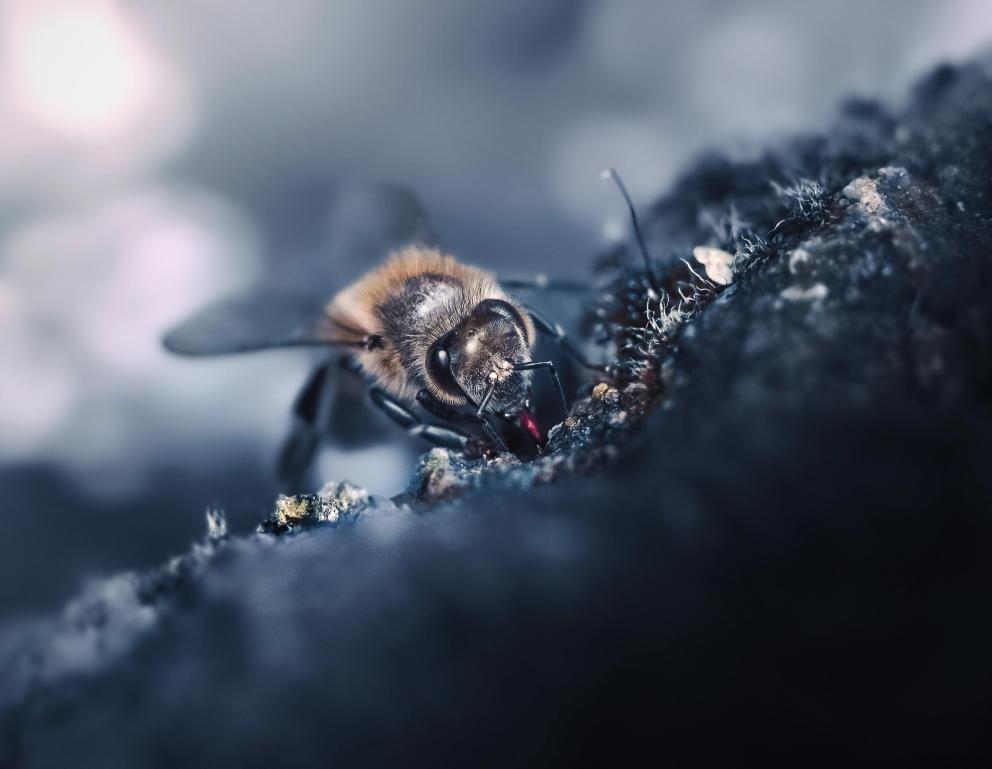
(77, 67)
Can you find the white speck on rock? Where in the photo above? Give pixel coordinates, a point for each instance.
(864, 192)
(812, 294)
(798, 260)
(216, 524)
(332, 504)
(718, 263)
(340, 499)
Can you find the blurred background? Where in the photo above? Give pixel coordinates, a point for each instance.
(155, 155)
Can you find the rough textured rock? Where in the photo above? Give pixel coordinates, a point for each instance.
(766, 534)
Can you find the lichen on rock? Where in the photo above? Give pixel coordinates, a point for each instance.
(335, 503)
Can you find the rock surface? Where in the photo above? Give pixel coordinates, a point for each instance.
(765, 532)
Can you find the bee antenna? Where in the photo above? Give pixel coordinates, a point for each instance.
(611, 173)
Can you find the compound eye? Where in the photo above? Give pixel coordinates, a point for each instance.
(504, 310)
(439, 368)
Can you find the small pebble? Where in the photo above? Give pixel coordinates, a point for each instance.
(864, 192)
(812, 294)
(798, 261)
(718, 263)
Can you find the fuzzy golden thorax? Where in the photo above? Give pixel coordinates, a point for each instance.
(421, 296)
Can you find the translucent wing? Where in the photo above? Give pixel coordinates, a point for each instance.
(259, 321)
(290, 308)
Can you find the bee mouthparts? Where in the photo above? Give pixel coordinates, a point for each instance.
(529, 423)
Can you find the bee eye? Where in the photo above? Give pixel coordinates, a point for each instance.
(439, 369)
(504, 310)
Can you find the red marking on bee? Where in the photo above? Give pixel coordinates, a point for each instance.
(529, 423)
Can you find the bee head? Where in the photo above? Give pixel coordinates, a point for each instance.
(481, 350)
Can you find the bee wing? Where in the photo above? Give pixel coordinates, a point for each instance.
(369, 221)
(289, 309)
(259, 321)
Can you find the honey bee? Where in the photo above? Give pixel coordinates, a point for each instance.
(422, 328)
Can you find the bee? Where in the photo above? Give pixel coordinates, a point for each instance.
(423, 329)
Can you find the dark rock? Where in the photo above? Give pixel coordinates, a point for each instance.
(766, 534)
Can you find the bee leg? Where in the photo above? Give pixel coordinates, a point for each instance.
(550, 367)
(449, 414)
(557, 334)
(480, 414)
(491, 432)
(296, 456)
(310, 409)
(405, 418)
(442, 410)
(312, 399)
